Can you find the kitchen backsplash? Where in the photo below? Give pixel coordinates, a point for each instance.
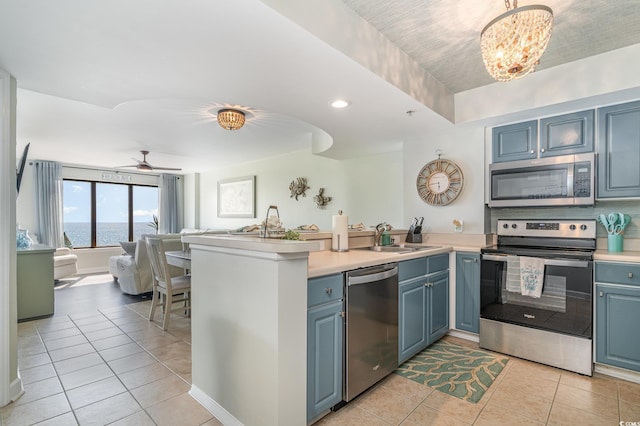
(630, 207)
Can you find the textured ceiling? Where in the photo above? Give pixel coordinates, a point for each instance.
(100, 81)
(443, 36)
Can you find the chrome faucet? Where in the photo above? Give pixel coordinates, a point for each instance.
(379, 230)
(266, 220)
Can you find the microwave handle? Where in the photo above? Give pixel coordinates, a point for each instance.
(549, 262)
(570, 180)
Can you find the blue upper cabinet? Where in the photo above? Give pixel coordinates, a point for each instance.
(515, 142)
(559, 135)
(567, 134)
(619, 151)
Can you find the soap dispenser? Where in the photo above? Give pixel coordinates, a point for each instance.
(385, 240)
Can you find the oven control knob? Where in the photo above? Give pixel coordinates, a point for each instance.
(572, 227)
(514, 226)
(505, 226)
(583, 227)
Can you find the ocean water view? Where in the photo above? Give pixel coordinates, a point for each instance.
(107, 233)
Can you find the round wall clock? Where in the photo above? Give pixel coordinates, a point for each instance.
(440, 182)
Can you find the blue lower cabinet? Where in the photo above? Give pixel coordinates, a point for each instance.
(325, 329)
(468, 292)
(423, 310)
(618, 326)
(412, 321)
(437, 302)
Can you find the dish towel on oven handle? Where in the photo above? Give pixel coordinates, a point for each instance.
(531, 276)
(513, 274)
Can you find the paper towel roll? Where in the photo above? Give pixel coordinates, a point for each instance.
(340, 232)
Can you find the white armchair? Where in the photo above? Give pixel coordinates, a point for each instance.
(65, 263)
(133, 273)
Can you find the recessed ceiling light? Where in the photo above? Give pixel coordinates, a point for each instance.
(340, 103)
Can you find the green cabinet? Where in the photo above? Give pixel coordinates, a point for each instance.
(468, 292)
(34, 282)
(423, 298)
(618, 314)
(619, 151)
(325, 330)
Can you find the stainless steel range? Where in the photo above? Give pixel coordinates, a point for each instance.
(536, 292)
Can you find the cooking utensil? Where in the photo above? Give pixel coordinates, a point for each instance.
(614, 223)
(614, 229)
(603, 220)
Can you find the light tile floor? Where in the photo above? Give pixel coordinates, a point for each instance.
(112, 366)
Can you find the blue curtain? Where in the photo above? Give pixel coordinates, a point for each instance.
(48, 183)
(170, 205)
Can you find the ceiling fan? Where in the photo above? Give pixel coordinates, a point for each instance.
(143, 165)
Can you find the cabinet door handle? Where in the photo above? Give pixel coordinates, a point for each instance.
(542, 150)
(428, 284)
(601, 294)
(630, 275)
(329, 290)
(475, 260)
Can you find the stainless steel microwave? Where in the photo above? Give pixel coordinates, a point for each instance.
(566, 180)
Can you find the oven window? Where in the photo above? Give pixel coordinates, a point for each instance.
(514, 185)
(564, 306)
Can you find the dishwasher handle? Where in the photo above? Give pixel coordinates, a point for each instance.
(372, 277)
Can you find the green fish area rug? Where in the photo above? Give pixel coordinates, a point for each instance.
(455, 370)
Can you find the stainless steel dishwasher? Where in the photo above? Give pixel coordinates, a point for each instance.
(371, 328)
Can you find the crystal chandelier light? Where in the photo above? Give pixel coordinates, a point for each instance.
(513, 42)
(231, 119)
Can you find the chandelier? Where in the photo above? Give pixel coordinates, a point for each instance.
(513, 42)
(231, 119)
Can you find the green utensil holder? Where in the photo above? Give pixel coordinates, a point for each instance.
(614, 242)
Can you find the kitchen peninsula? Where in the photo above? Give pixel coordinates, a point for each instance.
(249, 315)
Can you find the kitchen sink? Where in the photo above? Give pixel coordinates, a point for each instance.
(399, 248)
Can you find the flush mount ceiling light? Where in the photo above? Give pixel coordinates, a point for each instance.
(231, 119)
(513, 43)
(340, 103)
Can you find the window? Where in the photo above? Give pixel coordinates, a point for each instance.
(98, 214)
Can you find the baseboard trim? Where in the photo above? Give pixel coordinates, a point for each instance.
(16, 390)
(618, 373)
(464, 335)
(213, 407)
(98, 270)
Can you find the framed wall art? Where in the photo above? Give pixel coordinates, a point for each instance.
(237, 197)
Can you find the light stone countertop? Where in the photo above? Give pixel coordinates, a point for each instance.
(271, 245)
(623, 256)
(329, 262)
(323, 262)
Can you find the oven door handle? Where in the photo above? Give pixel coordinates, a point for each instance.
(549, 262)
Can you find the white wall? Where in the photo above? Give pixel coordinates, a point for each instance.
(368, 190)
(464, 145)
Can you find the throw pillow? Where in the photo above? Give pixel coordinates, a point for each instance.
(129, 247)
